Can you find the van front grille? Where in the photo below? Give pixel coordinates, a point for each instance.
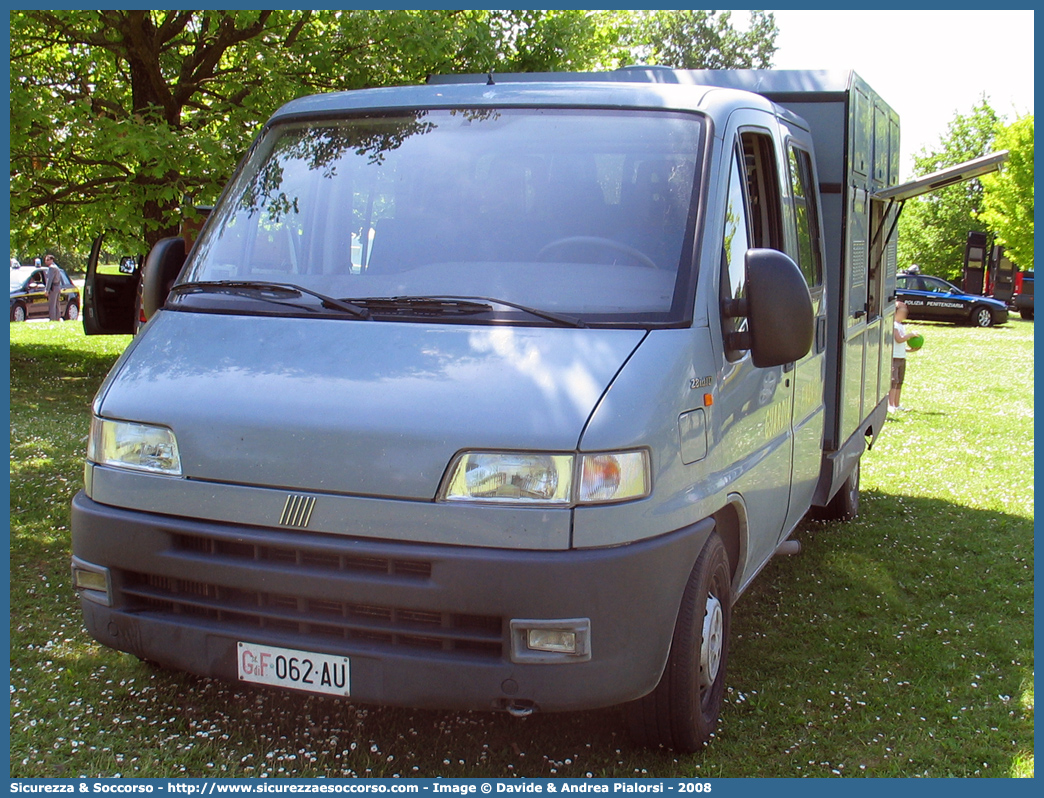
(327, 559)
(320, 620)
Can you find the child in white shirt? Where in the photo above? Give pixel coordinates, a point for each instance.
(900, 336)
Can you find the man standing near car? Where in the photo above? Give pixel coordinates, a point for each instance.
(53, 286)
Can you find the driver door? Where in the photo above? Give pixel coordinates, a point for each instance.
(36, 296)
(109, 298)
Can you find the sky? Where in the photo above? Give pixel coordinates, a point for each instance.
(927, 65)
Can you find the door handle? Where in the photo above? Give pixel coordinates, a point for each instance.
(821, 334)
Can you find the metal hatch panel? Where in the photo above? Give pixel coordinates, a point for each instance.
(944, 177)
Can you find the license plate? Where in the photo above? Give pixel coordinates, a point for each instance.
(294, 670)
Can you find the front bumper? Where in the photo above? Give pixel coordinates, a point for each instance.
(424, 625)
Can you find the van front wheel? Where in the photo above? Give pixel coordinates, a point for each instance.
(682, 712)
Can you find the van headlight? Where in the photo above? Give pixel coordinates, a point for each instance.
(536, 478)
(142, 447)
(510, 477)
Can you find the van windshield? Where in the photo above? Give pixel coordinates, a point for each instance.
(587, 213)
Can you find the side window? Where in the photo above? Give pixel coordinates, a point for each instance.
(734, 247)
(753, 218)
(759, 162)
(806, 213)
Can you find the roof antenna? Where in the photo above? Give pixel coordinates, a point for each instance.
(490, 82)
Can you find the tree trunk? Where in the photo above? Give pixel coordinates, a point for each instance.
(150, 98)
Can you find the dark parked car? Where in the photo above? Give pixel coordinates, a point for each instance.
(29, 299)
(934, 299)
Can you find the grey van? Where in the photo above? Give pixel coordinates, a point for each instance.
(494, 394)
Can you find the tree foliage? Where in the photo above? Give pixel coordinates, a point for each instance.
(705, 40)
(121, 120)
(933, 228)
(119, 116)
(1007, 201)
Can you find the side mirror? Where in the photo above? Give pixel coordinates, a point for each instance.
(778, 307)
(161, 269)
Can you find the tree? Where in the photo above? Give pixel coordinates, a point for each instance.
(102, 104)
(705, 40)
(933, 228)
(121, 120)
(1007, 201)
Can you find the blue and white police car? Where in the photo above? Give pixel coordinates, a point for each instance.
(933, 299)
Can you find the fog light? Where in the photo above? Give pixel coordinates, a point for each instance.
(92, 582)
(551, 641)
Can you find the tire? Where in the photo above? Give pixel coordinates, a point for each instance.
(682, 712)
(981, 317)
(18, 312)
(72, 312)
(845, 504)
(1027, 313)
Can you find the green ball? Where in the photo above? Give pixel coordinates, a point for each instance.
(916, 342)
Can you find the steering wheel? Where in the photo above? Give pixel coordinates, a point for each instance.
(608, 243)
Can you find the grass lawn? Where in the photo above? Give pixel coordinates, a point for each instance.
(897, 645)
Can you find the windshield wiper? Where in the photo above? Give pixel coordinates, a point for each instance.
(365, 307)
(269, 292)
(562, 319)
(444, 305)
